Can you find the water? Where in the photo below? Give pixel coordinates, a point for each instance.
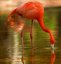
(12, 51)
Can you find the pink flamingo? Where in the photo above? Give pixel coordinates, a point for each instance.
(32, 10)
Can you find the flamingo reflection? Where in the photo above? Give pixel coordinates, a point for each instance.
(22, 49)
(32, 58)
(53, 57)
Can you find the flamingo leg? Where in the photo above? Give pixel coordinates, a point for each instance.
(31, 37)
(22, 47)
(32, 56)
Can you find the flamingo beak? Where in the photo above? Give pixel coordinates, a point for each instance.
(52, 46)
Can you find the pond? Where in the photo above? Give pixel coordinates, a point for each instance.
(15, 50)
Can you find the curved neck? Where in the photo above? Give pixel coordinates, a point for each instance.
(46, 30)
(41, 23)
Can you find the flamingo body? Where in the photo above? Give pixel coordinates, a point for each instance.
(33, 10)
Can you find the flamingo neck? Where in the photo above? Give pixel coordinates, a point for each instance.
(46, 30)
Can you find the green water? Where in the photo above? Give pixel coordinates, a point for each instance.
(40, 53)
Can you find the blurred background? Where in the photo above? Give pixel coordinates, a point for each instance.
(11, 49)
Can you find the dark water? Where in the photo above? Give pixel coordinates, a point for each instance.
(12, 50)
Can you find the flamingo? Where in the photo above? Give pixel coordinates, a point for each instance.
(33, 11)
(53, 57)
